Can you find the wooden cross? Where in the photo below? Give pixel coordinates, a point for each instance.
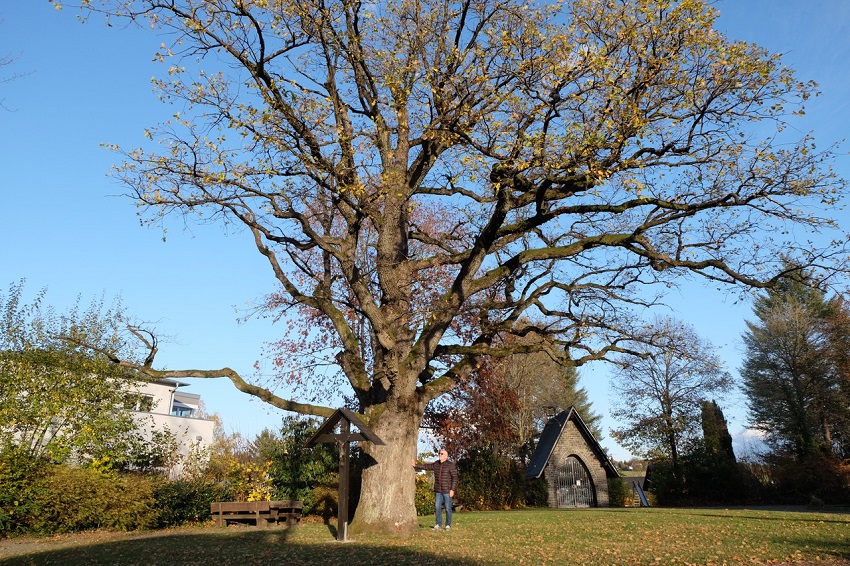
(327, 434)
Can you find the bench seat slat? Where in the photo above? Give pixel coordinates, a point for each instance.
(259, 512)
(252, 506)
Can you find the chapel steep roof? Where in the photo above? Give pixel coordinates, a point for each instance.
(552, 433)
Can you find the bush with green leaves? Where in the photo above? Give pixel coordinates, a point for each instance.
(709, 480)
(186, 501)
(296, 471)
(798, 481)
(661, 482)
(537, 492)
(618, 492)
(40, 497)
(488, 480)
(78, 499)
(20, 489)
(424, 497)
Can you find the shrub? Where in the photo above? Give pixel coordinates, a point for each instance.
(323, 501)
(661, 483)
(37, 497)
(424, 495)
(537, 492)
(20, 488)
(179, 502)
(488, 480)
(249, 481)
(618, 492)
(797, 481)
(76, 499)
(714, 478)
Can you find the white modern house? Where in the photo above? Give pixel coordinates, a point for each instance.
(161, 405)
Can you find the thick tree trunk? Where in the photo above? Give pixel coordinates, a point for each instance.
(387, 495)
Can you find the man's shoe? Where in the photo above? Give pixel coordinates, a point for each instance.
(436, 527)
(448, 527)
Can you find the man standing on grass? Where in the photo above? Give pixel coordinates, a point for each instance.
(445, 484)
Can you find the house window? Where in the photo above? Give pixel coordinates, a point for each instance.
(181, 410)
(139, 402)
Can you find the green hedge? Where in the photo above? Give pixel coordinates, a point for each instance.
(77, 499)
(424, 495)
(180, 502)
(488, 480)
(21, 487)
(618, 492)
(39, 497)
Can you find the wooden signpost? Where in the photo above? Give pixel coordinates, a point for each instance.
(326, 434)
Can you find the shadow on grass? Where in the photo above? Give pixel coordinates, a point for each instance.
(836, 549)
(758, 514)
(220, 547)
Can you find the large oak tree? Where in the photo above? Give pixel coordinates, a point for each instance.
(423, 175)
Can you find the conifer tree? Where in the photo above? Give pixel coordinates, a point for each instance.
(792, 371)
(715, 433)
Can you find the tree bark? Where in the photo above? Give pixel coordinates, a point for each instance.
(387, 496)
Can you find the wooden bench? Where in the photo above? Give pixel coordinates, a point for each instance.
(260, 513)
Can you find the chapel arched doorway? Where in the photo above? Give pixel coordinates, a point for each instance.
(573, 485)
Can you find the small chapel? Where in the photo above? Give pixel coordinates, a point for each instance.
(574, 464)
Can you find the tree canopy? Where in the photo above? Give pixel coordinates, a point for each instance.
(6, 60)
(716, 439)
(59, 401)
(424, 176)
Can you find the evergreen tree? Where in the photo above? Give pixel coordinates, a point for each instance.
(715, 433)
(793, 373)
(838, 335)
(711, 472)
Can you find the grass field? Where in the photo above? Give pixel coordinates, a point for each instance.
(540, 536)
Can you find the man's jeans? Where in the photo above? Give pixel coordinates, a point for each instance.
(441, 500)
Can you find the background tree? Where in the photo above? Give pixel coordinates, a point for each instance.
(309, 475)
(715, 433)
(491, 423)
(659, 393)
(423, 175)
(544, 388)
(59, 401)
(794, 373)
(712, 474)
(838, 336)
(505, 404)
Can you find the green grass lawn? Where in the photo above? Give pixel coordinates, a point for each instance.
(540, 536)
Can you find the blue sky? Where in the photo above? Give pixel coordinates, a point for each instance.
(63, 225)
